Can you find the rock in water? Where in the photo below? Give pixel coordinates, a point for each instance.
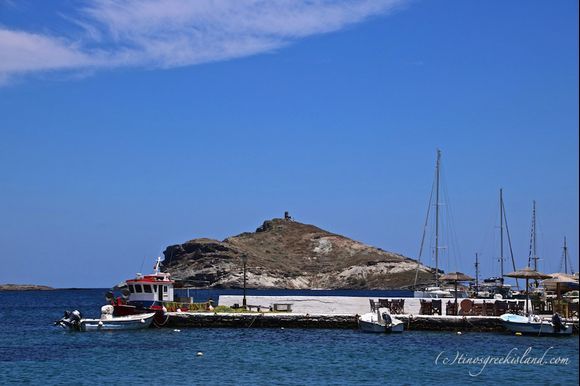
(283, 253)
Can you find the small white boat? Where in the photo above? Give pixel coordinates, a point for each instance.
(437, 293)
(130, 322)
(534, 325)
(75, 322)
(380, 322)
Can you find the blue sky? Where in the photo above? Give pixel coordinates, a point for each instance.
(129, 126)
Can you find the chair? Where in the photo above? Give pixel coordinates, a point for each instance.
(477, 309)
(488, 309)
(513, 307)
(561, 307)
(573, 309)
(426, 307)
(521, 307)
(398, 306)
(501, 307)
(393, 306)
(538, 307)
(549, 306)
(436, 306)
(451, 309)
(384, 303)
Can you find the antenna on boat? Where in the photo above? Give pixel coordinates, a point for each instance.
(157, 266)
(142, 263)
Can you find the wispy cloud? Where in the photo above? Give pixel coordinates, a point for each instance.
(172, 33)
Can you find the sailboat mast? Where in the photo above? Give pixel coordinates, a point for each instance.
(437, 171)
(509, 239)
(477, 272)
(534, 254)
(565, 256)
(501, 234)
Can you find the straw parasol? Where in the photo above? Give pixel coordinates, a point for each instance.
(456, 277)
(528, 273)
(561, 280)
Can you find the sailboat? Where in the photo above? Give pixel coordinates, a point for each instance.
(565, 280)
(566, 260)
(496, 286)
(533, 324)
(436, 290)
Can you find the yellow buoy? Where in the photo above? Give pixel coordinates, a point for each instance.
(518, 334)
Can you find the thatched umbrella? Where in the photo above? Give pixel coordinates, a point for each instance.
(456, 277)
(528, 273)
(560, 279)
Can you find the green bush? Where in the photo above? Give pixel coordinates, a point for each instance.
(227, 309)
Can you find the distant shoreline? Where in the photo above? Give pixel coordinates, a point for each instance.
(36, 287)
(24, 287)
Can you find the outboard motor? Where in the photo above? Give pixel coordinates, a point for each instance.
(70, 320)
(557, 323)
(387, 319)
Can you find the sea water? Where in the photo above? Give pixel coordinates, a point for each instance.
(32, 351)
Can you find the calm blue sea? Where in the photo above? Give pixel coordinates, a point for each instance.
(34, 352)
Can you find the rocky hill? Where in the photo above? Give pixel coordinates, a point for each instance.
(283, 253)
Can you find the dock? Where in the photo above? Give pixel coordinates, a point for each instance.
(332, 321)
(261, 320)
(327, 312)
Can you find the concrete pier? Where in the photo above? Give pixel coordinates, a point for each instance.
(261, 320)
(329, 312)
(335, 321)
(344, 321)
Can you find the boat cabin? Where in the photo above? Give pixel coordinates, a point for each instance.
(156, 287)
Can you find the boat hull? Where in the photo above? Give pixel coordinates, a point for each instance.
(521, 324)
(370, 323)
(371, 327)
(135, 322)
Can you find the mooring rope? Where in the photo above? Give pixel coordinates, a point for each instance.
(253, 320)
(159, 325)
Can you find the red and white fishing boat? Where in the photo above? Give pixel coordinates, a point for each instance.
(151, 293)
